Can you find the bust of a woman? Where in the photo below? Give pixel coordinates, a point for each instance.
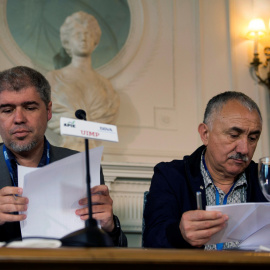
(78, 85)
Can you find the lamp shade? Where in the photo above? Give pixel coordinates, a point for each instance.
(256, 27)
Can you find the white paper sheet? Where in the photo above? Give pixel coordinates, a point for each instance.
(35, 243)
(259, 218)
(237, 214)
(265, 248)
(54, 192)
(257, 239)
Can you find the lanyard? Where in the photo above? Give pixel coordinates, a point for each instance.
(11, 172)
(47, 151)
(219, 245)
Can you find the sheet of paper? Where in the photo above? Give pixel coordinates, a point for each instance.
(265, 248)
(236, 213)
(35, 243)
(54, 192)
(22, 171)
(254, 222)
(257, 239)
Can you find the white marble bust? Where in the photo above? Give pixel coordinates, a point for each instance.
(78, 85)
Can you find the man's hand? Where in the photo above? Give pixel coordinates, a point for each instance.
(198, 226)
(10, 202)
(102, 207)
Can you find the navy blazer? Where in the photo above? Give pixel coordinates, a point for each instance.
(173, 192)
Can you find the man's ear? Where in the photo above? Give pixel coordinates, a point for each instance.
(49, 111)
(204, 133)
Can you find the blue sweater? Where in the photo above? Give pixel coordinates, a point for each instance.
(173, 192)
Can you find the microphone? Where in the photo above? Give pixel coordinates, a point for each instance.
(80, 114)
(91, 235)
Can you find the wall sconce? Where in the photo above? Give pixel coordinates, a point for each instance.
(256, 30)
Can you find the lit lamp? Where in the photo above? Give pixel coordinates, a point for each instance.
(256, 30)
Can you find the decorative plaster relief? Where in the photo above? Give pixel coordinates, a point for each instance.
(37, 34)
(8, 44)
(109, 70)
(127, 183)
(165, 119)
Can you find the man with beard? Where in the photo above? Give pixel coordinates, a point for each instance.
(25, 109)
(221, 169)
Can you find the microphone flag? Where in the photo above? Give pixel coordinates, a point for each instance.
(88, 130)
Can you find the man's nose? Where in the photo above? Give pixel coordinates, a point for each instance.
(19, 116)
(242, 146)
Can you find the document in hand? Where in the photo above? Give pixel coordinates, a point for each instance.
(249, 223)
(54, 192)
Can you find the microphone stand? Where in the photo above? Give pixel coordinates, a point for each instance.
(91, 235)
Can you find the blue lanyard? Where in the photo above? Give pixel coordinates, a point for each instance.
(8, 165)
(219, 245)
(11, 172)
(47, 145)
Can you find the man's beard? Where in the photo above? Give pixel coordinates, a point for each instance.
(22, 148)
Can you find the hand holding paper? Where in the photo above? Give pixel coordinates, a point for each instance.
(197, 227)
(9, 203)
(54, 192)
(102, 207)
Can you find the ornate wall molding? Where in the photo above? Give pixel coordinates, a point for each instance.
(127, 183)
(142, 12)
(116, 170)
(133, 60)
(132, 45)
(8, 44)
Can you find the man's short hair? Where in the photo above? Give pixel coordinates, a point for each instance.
(21, 77)
(215, 105)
